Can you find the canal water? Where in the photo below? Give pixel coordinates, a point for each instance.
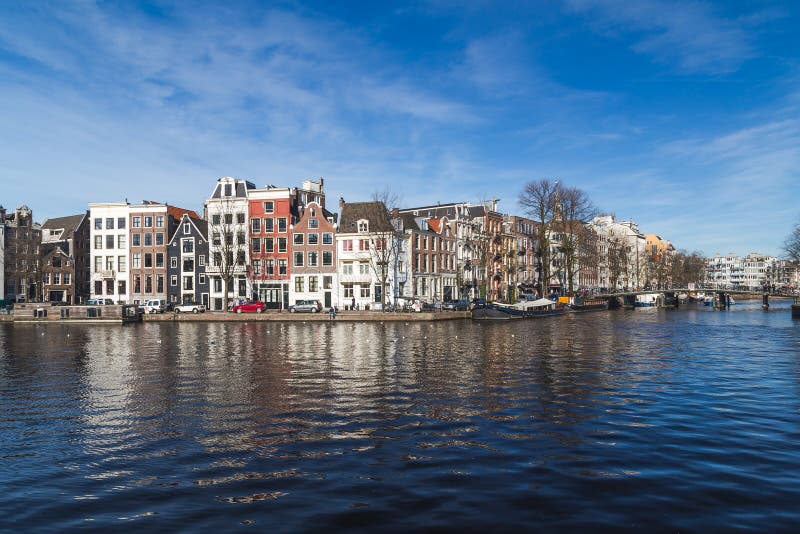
(645, 420)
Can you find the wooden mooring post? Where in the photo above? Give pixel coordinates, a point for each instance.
(796, 308)
(765, 301)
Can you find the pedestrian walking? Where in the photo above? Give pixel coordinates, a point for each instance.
(353, 305)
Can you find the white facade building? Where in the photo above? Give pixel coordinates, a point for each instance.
(227, 214)
(109, 252)
(731, 272)
(609, 230)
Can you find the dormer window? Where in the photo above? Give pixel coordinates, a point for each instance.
(363, 226)
(228, 190)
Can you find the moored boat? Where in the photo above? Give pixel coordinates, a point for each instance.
(520, 310)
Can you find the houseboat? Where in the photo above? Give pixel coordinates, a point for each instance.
(520, 310)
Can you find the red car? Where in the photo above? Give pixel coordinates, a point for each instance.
(249, 307)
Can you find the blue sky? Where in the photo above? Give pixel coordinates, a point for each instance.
(683, 116)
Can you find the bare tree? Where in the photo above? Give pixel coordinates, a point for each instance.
(792, 246)
(618, 261)
(227, 230)
(385, 240)
(573, 210)
(477, 243)
(538, 199)
(687, 268)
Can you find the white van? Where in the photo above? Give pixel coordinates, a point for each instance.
(155, 306)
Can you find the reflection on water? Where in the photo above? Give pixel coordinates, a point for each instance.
(629, 419)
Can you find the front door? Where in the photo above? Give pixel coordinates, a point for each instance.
(271, 298)
(327, 299)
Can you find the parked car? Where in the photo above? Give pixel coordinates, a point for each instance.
(309, 306)
(251, 306)
(189, 308)
(155, 306)
(456, 305)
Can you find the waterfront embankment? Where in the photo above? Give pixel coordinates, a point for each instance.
(362, 317)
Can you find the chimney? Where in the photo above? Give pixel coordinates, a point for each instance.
(395, 213)
(2, 214)
(341, 203)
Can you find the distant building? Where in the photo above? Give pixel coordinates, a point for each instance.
(65, 259)
(753, 272)
(22, 238)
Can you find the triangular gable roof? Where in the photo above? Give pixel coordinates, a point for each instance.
(69, 224)
(373, 212)
(201, 225)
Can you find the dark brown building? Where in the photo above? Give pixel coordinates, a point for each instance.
(21, 239)
(65, 259)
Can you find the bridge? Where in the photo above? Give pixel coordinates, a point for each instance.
(721, 296)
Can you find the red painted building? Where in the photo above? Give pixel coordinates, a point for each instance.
(272, 212)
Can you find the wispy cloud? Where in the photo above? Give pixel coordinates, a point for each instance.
(692, 36)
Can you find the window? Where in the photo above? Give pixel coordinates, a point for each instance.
(173, 262)
(228, 218)
(121, 285)
(313, 223)
(256, 267)
(122, 241)
(159, 221)
(159, 260)
(281, 225)
(228, 190)
(313, 284)
(269, 267)
(241, 239)
(136, 260)
(121, 223)
(218, 285)
(122, 264)
(66, 278)
(56, 279)
(148, 240)
(281, 266)
(187, 245)
(269, 207)
(136, 240)
(137, 284)
(240, 218)
(148, 221)
(298, 239)
(148, 284)
(281, 244)
(363, 244)
(201, 260)
(215, 219)
(327, 282)
(201, 280)
(255, 226)
(188, 265)
(363, 268)
(98, 242)
(160, 239)
(269, 244)
(347, 245)
(363, 226)
(98, 287)
(109, 223)
(98, 225)
(215, 240)
(327, 239)
(327, 258)
(137, 222)
(173, 280)
(347, 267)
(148, 260)
(255, 245)
(378, 292)
(110, 241)
(348, 290)
(312, 259)
(188, 283)
(298, 259)
(46, 278)
(268, 226)
(298, 284)
(313, 239)
(160, 283)
(187, 228)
